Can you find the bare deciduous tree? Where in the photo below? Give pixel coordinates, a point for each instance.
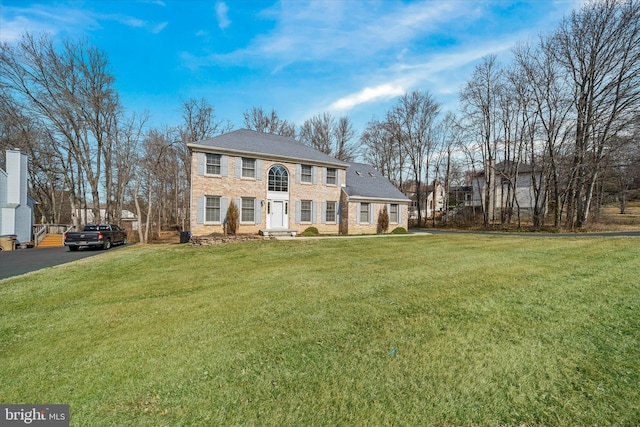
(598, 48)
(69, 89)
(257, 119)
(382, 151)
(481, 117)
(413, 120)
(335, 138)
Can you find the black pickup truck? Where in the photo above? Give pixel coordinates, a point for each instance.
(103, 235)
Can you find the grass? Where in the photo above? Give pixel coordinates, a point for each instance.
(419, 330)
(612, 220)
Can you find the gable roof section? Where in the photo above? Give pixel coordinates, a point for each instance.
(363, 181)
(251, 143)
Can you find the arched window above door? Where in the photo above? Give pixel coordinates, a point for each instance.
(278, 179)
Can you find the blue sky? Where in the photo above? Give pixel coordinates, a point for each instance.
(299, 57)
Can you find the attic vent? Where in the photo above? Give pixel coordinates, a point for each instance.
(358, 173)
(372, 175)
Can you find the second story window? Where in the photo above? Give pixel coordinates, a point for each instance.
(306, 173)
(332, 176)
(213, 164)
(248, 168)
(278, 179)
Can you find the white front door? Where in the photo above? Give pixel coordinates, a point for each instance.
(278, 215)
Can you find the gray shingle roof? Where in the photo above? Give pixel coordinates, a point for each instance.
(266, 145)
(366, 182)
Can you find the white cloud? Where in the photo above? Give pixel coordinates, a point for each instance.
(158, 28)
(16, 21)
(222, 13)
(368, 94)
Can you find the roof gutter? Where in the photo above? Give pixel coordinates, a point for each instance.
(377, 199)
(255, 154)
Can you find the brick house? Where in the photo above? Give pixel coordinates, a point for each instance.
(283, 186)
(363, 197)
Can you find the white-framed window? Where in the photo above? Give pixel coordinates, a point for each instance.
(278, 179)
(305, 210)
(212, 209)
(213, 162)
(364, 212)
(248, 210)
(393, 213)
(330, 213)
(306, 173)
(332, 176)
(248, 168)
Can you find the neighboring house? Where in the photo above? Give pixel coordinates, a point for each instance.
(87, 217)
(16, 207)
(434, 201)
(460, 197)
(278, 185)
(512, 186)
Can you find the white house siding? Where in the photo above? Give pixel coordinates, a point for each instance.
(525, 195)
(16, 215)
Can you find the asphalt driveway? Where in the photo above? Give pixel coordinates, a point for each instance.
(525, 234)
(21, 261)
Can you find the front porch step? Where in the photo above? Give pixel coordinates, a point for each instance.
(278, 232)
(51, 241)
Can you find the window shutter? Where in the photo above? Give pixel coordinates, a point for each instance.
(339, 177)
(358, 213)
(224, 165)
(372, 209)
(258, 211)
(298, 207)
(324, 212)
(238, 167)
(238, 203)
(400, 214)
(224, 206)
(314, 175)
(298, 173)
(259, 169)
(338, 211)
(201, 161)
(324, 176)
(200, 211)
(314, 216)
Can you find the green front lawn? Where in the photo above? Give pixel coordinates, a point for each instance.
(404, 331)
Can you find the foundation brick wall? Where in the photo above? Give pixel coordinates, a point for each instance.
(235, 188)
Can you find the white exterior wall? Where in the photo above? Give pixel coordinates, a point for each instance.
(16, 216)
(525, 195)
